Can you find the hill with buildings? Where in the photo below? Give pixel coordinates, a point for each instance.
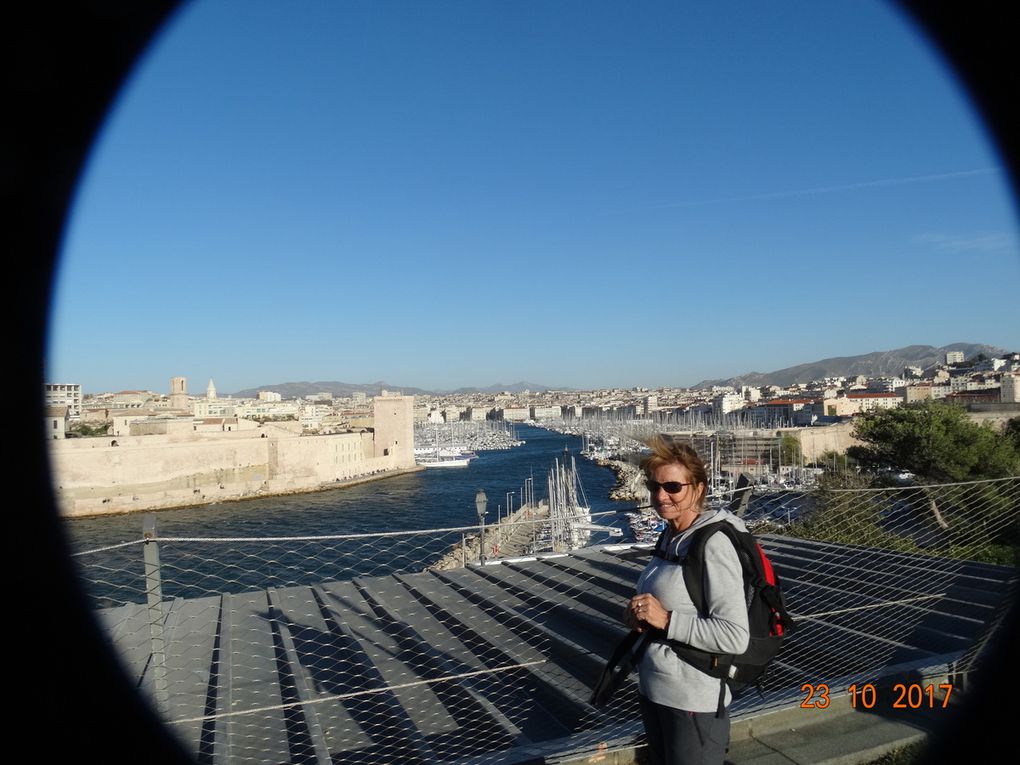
(876, 364)
(290, 390)
(517, 387)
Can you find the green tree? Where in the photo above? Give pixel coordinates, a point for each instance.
(935, 441)
(85, 430)
(1012, 432)
(938, 443)
(789, 449)
(845, 510)
(832, 461)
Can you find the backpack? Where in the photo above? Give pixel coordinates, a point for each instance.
(767, 618)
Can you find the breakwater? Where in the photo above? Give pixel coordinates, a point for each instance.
(520, 533)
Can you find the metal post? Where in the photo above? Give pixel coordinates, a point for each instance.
(463, 551)
(154, 597)
(481, 501)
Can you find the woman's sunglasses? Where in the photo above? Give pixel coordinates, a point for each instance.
(671, 487)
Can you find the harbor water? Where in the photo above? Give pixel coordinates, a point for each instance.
(436, 498)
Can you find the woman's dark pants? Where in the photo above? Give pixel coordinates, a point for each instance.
(676, 737)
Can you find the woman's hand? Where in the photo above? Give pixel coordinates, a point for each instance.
(646, 611)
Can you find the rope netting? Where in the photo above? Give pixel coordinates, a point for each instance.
(458, 645)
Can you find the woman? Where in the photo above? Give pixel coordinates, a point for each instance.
(685, 710)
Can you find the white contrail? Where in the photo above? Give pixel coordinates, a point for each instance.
(833, 189)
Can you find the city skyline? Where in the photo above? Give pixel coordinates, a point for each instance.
(577, 194)
(964, 352)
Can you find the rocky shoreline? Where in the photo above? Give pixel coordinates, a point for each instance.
(628, 480)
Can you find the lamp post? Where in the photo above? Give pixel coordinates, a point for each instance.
(480, 502)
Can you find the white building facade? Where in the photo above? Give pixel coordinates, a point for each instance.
(64, 394)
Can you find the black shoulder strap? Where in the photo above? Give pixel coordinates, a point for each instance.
(694, 562)
(625, 657)
(694, 567)
(662, 545)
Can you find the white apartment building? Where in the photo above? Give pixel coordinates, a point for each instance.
(270, 395)
(959, 383)
(64, 394)
(885, 384)
(726, 403)
(212, 407)
(311, 415)
(954, 357)
(866, 402)
(256, 409)
(546, 413)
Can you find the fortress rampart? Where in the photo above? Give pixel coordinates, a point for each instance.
(98, 476)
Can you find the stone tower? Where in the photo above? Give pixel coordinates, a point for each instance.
(394, 429)
(179, 393)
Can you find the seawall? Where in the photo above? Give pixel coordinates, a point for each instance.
(95, 477)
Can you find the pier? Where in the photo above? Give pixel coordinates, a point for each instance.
(519, 533)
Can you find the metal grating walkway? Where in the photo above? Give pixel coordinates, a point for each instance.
(494, 664)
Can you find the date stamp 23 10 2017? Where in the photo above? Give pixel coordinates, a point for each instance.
(867, 696)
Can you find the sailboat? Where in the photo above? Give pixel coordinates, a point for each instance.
(443, 457)
(569, 512)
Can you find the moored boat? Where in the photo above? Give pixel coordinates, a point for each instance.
(443, 460)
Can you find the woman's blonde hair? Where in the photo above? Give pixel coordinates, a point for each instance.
(667, 450)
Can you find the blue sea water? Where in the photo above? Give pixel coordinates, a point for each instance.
(435, 498)
(429, 499)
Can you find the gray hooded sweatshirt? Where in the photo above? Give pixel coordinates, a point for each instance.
(663, 676)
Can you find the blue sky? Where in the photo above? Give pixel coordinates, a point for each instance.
(582, 194)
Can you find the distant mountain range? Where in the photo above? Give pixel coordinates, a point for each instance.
(879, 363)
(875, 364)
(342, 389)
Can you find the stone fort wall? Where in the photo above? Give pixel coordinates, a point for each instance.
(93, 476)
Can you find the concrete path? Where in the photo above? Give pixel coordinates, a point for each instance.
(838, 735)
(824, 737)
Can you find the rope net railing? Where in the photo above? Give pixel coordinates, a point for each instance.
(890, 580)
(472, 645)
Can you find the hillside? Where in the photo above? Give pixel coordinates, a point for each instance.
(873, 364)
(342, 389)
(878, 363)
